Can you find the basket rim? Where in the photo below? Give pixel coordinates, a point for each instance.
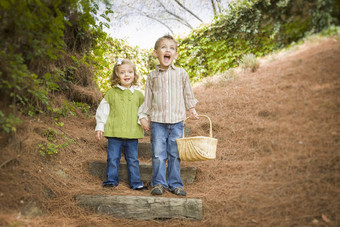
(197, 137)
(210, 129)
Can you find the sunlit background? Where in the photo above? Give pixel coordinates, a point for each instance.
(130, 20)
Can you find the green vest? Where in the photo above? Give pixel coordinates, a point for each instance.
(123, 117)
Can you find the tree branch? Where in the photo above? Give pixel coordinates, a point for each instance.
(151, 17)
(219, 5)
(214, 7)
(179, 19)
(185, 8)
(161, 22)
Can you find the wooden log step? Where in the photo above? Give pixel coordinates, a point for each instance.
(143, 207)
(144, 150)
(98, 168)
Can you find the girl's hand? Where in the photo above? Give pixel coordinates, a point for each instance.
(145, 124)
(193, 114)
(99, 135)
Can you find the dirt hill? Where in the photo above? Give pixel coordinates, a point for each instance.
(278, 160)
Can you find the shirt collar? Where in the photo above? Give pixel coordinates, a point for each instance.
(172, 66)
(132, 89)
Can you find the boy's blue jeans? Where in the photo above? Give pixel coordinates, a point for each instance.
(114, 152)
(164, 147)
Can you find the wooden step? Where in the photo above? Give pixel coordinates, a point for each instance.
(143, 207)
(144, 150)
(98, 168)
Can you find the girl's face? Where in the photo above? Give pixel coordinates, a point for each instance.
(126, 75)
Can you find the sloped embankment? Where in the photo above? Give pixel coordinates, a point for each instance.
(277, 160)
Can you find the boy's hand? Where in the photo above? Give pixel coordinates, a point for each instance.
(193, 114)
(99, 135)
(145, 124)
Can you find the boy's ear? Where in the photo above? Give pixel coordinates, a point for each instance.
(154, 53)
(176, 55)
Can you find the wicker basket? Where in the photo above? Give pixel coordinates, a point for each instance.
(197, 148)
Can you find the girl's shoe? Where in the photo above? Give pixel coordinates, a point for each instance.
(141, 188)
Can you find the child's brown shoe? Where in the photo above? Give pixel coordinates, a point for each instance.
(157, 190)
(179, 191)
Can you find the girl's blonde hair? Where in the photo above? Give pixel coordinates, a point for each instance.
(115, 79)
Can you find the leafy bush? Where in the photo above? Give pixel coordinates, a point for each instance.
(249, 61)
(52, 146)
(252, 26)
(9, 123)
(227, 76)
(105, 57)
(34, 36)
(54, 46)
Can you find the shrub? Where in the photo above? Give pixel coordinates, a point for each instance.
(252, 26)
(228, 75)
(249, 61)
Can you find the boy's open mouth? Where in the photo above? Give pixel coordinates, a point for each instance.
(167, 58)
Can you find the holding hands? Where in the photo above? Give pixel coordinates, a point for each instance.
(145, 124)
(99, 135)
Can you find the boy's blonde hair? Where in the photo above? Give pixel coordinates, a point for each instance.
(115, 79)
(164, 37)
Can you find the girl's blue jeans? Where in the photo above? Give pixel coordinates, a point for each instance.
(164, 148)
(114, 152)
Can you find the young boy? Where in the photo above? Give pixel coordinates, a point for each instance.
(168, 94)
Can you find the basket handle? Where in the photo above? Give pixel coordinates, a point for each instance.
(210, 131)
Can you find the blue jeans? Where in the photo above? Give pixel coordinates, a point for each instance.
(114, 152)
(163, 148)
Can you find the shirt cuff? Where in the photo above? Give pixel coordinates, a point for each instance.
(100, 127)
(141, 116)
(191, 104)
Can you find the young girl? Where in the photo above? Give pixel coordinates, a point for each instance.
(117, 120)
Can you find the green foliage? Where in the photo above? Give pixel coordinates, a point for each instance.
(15, 224)
(52, 146)
(65, 110)
(34, 36)
(68, 109)
(83, 107)
(9, 123)
(228, 76)
(249, 61)
(208, 83)
(49, 45)
(105, 57)
(251, 26)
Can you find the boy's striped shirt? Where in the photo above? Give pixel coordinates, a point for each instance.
(168, 94)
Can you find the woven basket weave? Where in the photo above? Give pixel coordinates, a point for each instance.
(197, 148)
